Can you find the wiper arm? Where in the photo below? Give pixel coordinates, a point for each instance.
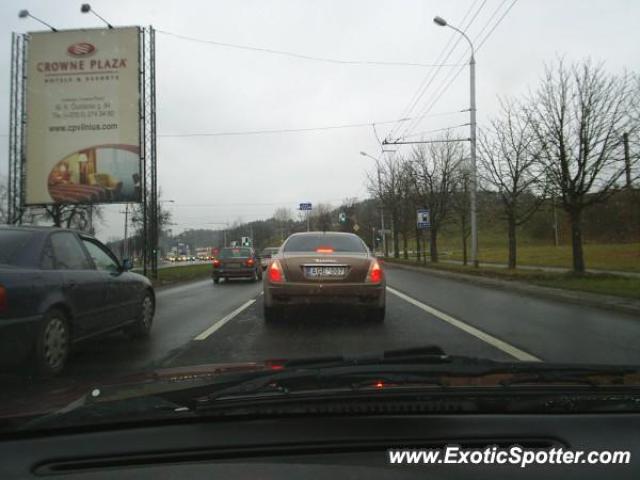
(590, 376)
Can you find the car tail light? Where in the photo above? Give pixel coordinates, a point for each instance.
(250, 262)
(324, 250)
(375, 274)
(3, 299)
(216, 263)
(275, 272)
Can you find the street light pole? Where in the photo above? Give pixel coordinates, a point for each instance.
(472, 136)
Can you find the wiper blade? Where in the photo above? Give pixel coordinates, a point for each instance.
(430, 354)
(351, 378)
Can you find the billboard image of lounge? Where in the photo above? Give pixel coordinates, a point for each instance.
(105, 174)
(83, 117)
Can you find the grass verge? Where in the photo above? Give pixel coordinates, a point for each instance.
(183, 273)
(599, 283)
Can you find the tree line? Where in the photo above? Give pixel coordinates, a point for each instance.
(573, 141)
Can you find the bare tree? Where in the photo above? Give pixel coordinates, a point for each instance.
(510, 163)
(283, 216)
(407, 201)
(321, 217)
(435, 170)
(79, 217)
(4, 203)
(390, 192)
(580, 114)
(462, 208)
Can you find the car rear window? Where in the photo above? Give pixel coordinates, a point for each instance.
(12, 244)
(313, 243)
(235, 253)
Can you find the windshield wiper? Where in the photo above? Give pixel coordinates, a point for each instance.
(426, 367)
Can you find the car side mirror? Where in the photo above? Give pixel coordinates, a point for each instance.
(127, 264)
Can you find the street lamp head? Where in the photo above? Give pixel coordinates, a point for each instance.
(23, 13)
(85, 8)
(364, 154)
(439, 21)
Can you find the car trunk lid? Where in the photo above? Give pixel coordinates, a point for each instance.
(316, 267)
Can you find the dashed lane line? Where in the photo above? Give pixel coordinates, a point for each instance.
(220, 323)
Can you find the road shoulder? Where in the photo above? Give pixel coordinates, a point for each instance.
(607, 302)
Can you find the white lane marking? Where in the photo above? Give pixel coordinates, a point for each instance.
(220, 323)
(485, 337)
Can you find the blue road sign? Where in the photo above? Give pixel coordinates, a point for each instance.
(305, 206)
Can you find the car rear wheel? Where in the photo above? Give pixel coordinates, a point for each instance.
(53, 344)
(272, 314)
(142, 327)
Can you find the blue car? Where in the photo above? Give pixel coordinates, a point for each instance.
(59, 287)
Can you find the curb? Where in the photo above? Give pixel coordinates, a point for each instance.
(606, 302)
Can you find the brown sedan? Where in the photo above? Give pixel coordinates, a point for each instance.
(324, 268)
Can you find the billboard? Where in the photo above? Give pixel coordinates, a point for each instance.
(83, 117)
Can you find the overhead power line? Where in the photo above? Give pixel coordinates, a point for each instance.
(301, 56)
(444, 86)
(443, 57)
(292, 130)
(435, 130)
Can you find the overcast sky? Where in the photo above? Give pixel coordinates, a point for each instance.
(205, 88)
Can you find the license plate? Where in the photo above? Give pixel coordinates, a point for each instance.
(325, 272)
(233, 265)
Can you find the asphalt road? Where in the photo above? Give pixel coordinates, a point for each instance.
(200, 323)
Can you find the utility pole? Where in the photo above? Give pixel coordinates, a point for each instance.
(474, 167)
(627, 159)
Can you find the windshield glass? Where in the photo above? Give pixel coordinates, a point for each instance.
(239, 186)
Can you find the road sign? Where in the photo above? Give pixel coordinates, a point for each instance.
(424, 219)
(342, 217)
(356, 227)
(305, 206)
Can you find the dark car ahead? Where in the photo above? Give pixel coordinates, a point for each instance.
(58, 287)
(236, 262)
(324, 268)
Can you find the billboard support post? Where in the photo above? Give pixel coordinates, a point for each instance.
(16, 128)
(150, 227)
